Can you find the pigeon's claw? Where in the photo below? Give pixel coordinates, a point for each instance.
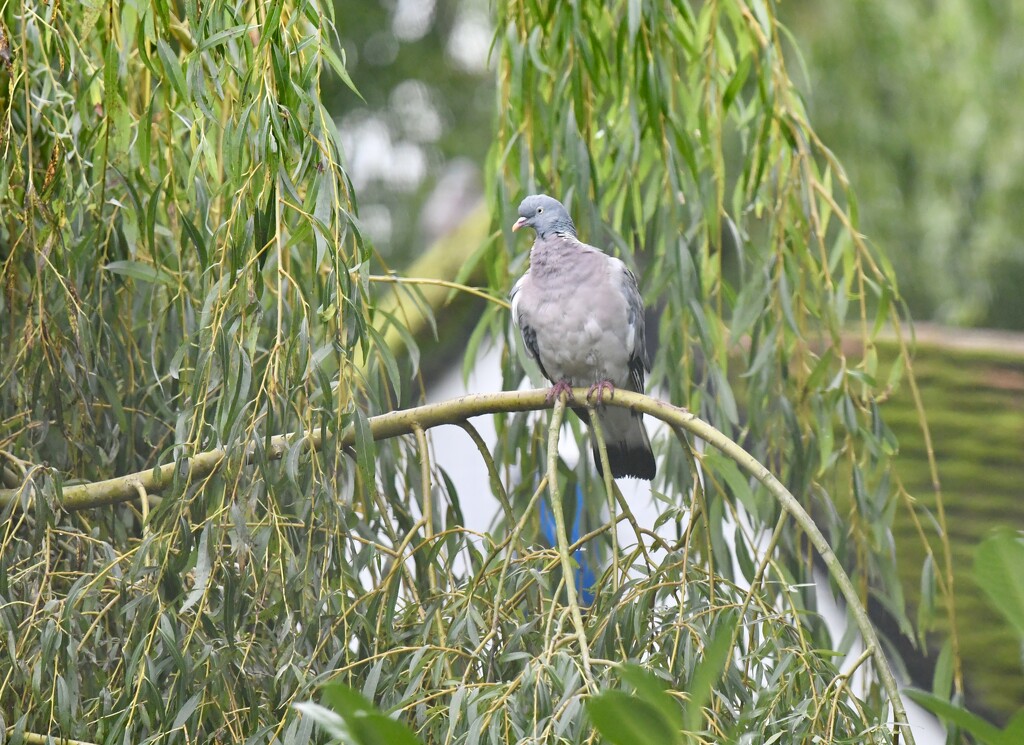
(558, 389)
(600, 388)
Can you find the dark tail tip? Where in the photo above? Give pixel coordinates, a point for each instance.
(634, 463)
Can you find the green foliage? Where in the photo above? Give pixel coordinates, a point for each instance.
(651, 716)
(180, 271)
(148, 301)
(183, 274)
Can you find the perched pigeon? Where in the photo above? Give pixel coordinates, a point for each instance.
(582, 319)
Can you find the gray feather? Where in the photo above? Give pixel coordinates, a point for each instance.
(639, 363)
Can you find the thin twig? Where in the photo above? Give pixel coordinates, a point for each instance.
(492, 471)
(439, 283)
(609, 487)
(428, 499)
(568, 576)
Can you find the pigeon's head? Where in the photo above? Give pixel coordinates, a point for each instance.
(544, 214)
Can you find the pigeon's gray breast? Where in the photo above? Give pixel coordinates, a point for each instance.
(579, 314)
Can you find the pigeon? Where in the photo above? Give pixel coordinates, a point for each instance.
(582, 319)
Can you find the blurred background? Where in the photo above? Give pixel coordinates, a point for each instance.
(921, 101)
(423, 123)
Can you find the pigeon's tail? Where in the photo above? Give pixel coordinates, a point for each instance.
(629, 449)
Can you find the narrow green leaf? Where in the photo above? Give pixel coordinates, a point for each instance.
(338, 65)
(365, 725)
(387, 359)
(710, 669)
(331, 722)
(821, 368)
(202, 571)
(93, 8)
(942, 678)
(623, 719)
(964, 719)
(222, 36)
(633, 17)
(651, 689)
(115, 108)
(172, 68)
(142, 272)
(366, 449)
(999, 571)
(192, 233)
(738, 483)
(113, 398)
(926, 604)
(188, 709)
(736, 84)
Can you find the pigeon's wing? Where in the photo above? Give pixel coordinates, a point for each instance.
(636, 337)
(629, 448)
(520, 320)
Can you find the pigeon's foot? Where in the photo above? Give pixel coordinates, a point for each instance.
(600, 388)
(562, 387)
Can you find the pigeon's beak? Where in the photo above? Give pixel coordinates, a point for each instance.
(518, 224)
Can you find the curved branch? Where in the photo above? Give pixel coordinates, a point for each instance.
(457, 410)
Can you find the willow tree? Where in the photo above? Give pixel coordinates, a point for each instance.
(212, 502)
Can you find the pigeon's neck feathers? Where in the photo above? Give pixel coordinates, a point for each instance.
(561, 226)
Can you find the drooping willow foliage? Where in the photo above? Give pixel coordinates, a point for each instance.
(676, 136)
(183, 273)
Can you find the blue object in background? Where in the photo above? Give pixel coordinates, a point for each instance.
(586, 578)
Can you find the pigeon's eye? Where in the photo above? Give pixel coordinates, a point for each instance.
(539, 210)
